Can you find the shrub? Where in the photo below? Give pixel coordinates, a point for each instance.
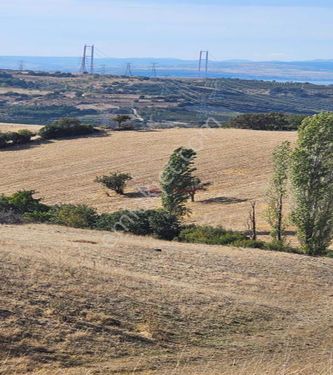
(164, 225)
(158, 222)
(281, 246)
(3, 140)
(38, 217)
(24, 136)
(4, 203)
(136, 222)
(20, 137)
(116, 181)
(267, 121)
(22, 202)
(10, 217)
(252, 244)
(209, 235)
(66, 127)
(77, 216)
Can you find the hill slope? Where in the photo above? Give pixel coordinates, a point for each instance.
(237, 162)
(84, 302)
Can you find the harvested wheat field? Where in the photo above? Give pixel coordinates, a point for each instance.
(237, 162)
(84, 302)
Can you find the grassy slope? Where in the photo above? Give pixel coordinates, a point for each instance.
(237, 162)
(84, 302)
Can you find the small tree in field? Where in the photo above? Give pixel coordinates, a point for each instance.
(120, 119)
(252, 221)
(177, 180)
(196, 186)
(278, 191)
(116, 181)
(312, 179)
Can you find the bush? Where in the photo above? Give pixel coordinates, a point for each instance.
(136, 222)
(37, 217)
(252, 244)
(281, 246)
(143, 223)
(20, 137)
(209, 235)
(23, 136)
(66, 127)
(10, 217)
(164, 225)
(22, 202)
(116, 181)
(267, 121)
(80, 216)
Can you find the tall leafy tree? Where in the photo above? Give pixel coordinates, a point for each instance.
(312, 179)
(278, 190)
(177, 180)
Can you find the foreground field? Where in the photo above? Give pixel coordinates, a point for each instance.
(83, 302)
(237, 162)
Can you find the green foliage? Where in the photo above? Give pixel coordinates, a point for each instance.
(177, 180)
(42, 114)
(77, 216)
(312, 179)
(66, 127)
(141, 222)
(278, 190)
(209, 235)
(251, 244)
(20, 137)
(120, 119)
(267, 121)
(281, 246)
(38, 217)
(116, 181)
(164, 225)
(22, 202)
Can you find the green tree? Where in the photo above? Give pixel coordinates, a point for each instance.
(116, 181)
(177, 180)
(120, 119)
(312, 179)
(197, 185)
(278, 190)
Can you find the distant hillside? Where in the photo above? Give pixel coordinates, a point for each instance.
(39, 98)
(317, 71)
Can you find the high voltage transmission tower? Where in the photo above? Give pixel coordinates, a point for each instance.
(154, 69)
(87, 64)
(203, 60)
(128, 71)
(21, 65)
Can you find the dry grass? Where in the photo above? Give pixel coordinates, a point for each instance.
(237, 162)
(84, 302)
(77, 302)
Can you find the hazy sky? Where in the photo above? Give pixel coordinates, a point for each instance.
(229, 29)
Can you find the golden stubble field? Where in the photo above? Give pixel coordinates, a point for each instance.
(237, 162)
(80, 302)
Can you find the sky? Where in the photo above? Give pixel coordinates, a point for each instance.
(257, 30)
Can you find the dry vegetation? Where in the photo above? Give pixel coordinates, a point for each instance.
(77, 302)
(237, 162)
(84, 302)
